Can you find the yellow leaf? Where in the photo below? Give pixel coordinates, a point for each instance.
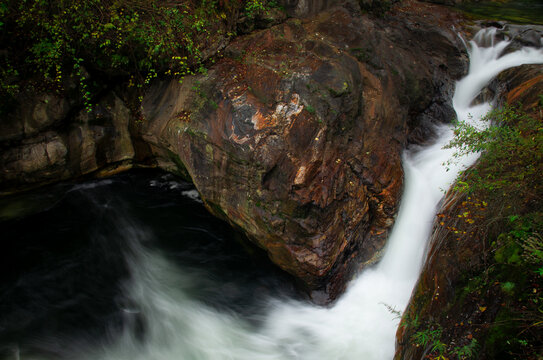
(482, 308)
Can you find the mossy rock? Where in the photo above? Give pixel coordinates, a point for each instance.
(509, 252)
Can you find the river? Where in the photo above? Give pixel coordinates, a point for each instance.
(133, 267)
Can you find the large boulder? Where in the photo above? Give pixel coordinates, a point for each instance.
(295, 136)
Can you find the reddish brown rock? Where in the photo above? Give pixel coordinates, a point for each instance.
(524, 86)
(295, 135)
(461, 290)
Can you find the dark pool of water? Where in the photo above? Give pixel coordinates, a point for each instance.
(63, 258)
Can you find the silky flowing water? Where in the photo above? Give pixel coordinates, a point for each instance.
(127, 269)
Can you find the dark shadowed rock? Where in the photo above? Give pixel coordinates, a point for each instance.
(44, 145)
(523, 35)
(304, 8)
(522, 85)
(445, 2)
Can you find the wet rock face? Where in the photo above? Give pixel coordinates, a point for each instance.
(522, 86)
(523, 35)
(450, 293)
(46, 141)
(295, 136)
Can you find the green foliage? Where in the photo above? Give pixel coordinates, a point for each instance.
(511, 11)
(533, 251)
(508, 251)
(46, 42)
(467, 351)
(254, 6)
(508, 287)
(397, 313)
(9, 88)
(508, 178)
(512, 152)
(518, 255)
(525, 241)
(430, 337)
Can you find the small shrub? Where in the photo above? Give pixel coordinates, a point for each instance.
(467, 351)
(310, 109)
(136, 39)
(511, 154)
(508, 178)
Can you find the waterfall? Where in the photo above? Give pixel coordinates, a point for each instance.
(359, 325)
(163, 322)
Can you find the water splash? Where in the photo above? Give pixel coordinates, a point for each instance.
(486, 63)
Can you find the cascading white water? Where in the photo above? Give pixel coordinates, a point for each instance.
(359, 326)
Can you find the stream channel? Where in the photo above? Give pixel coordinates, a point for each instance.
(134, 268)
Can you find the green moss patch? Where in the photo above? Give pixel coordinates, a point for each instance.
(514, 11)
